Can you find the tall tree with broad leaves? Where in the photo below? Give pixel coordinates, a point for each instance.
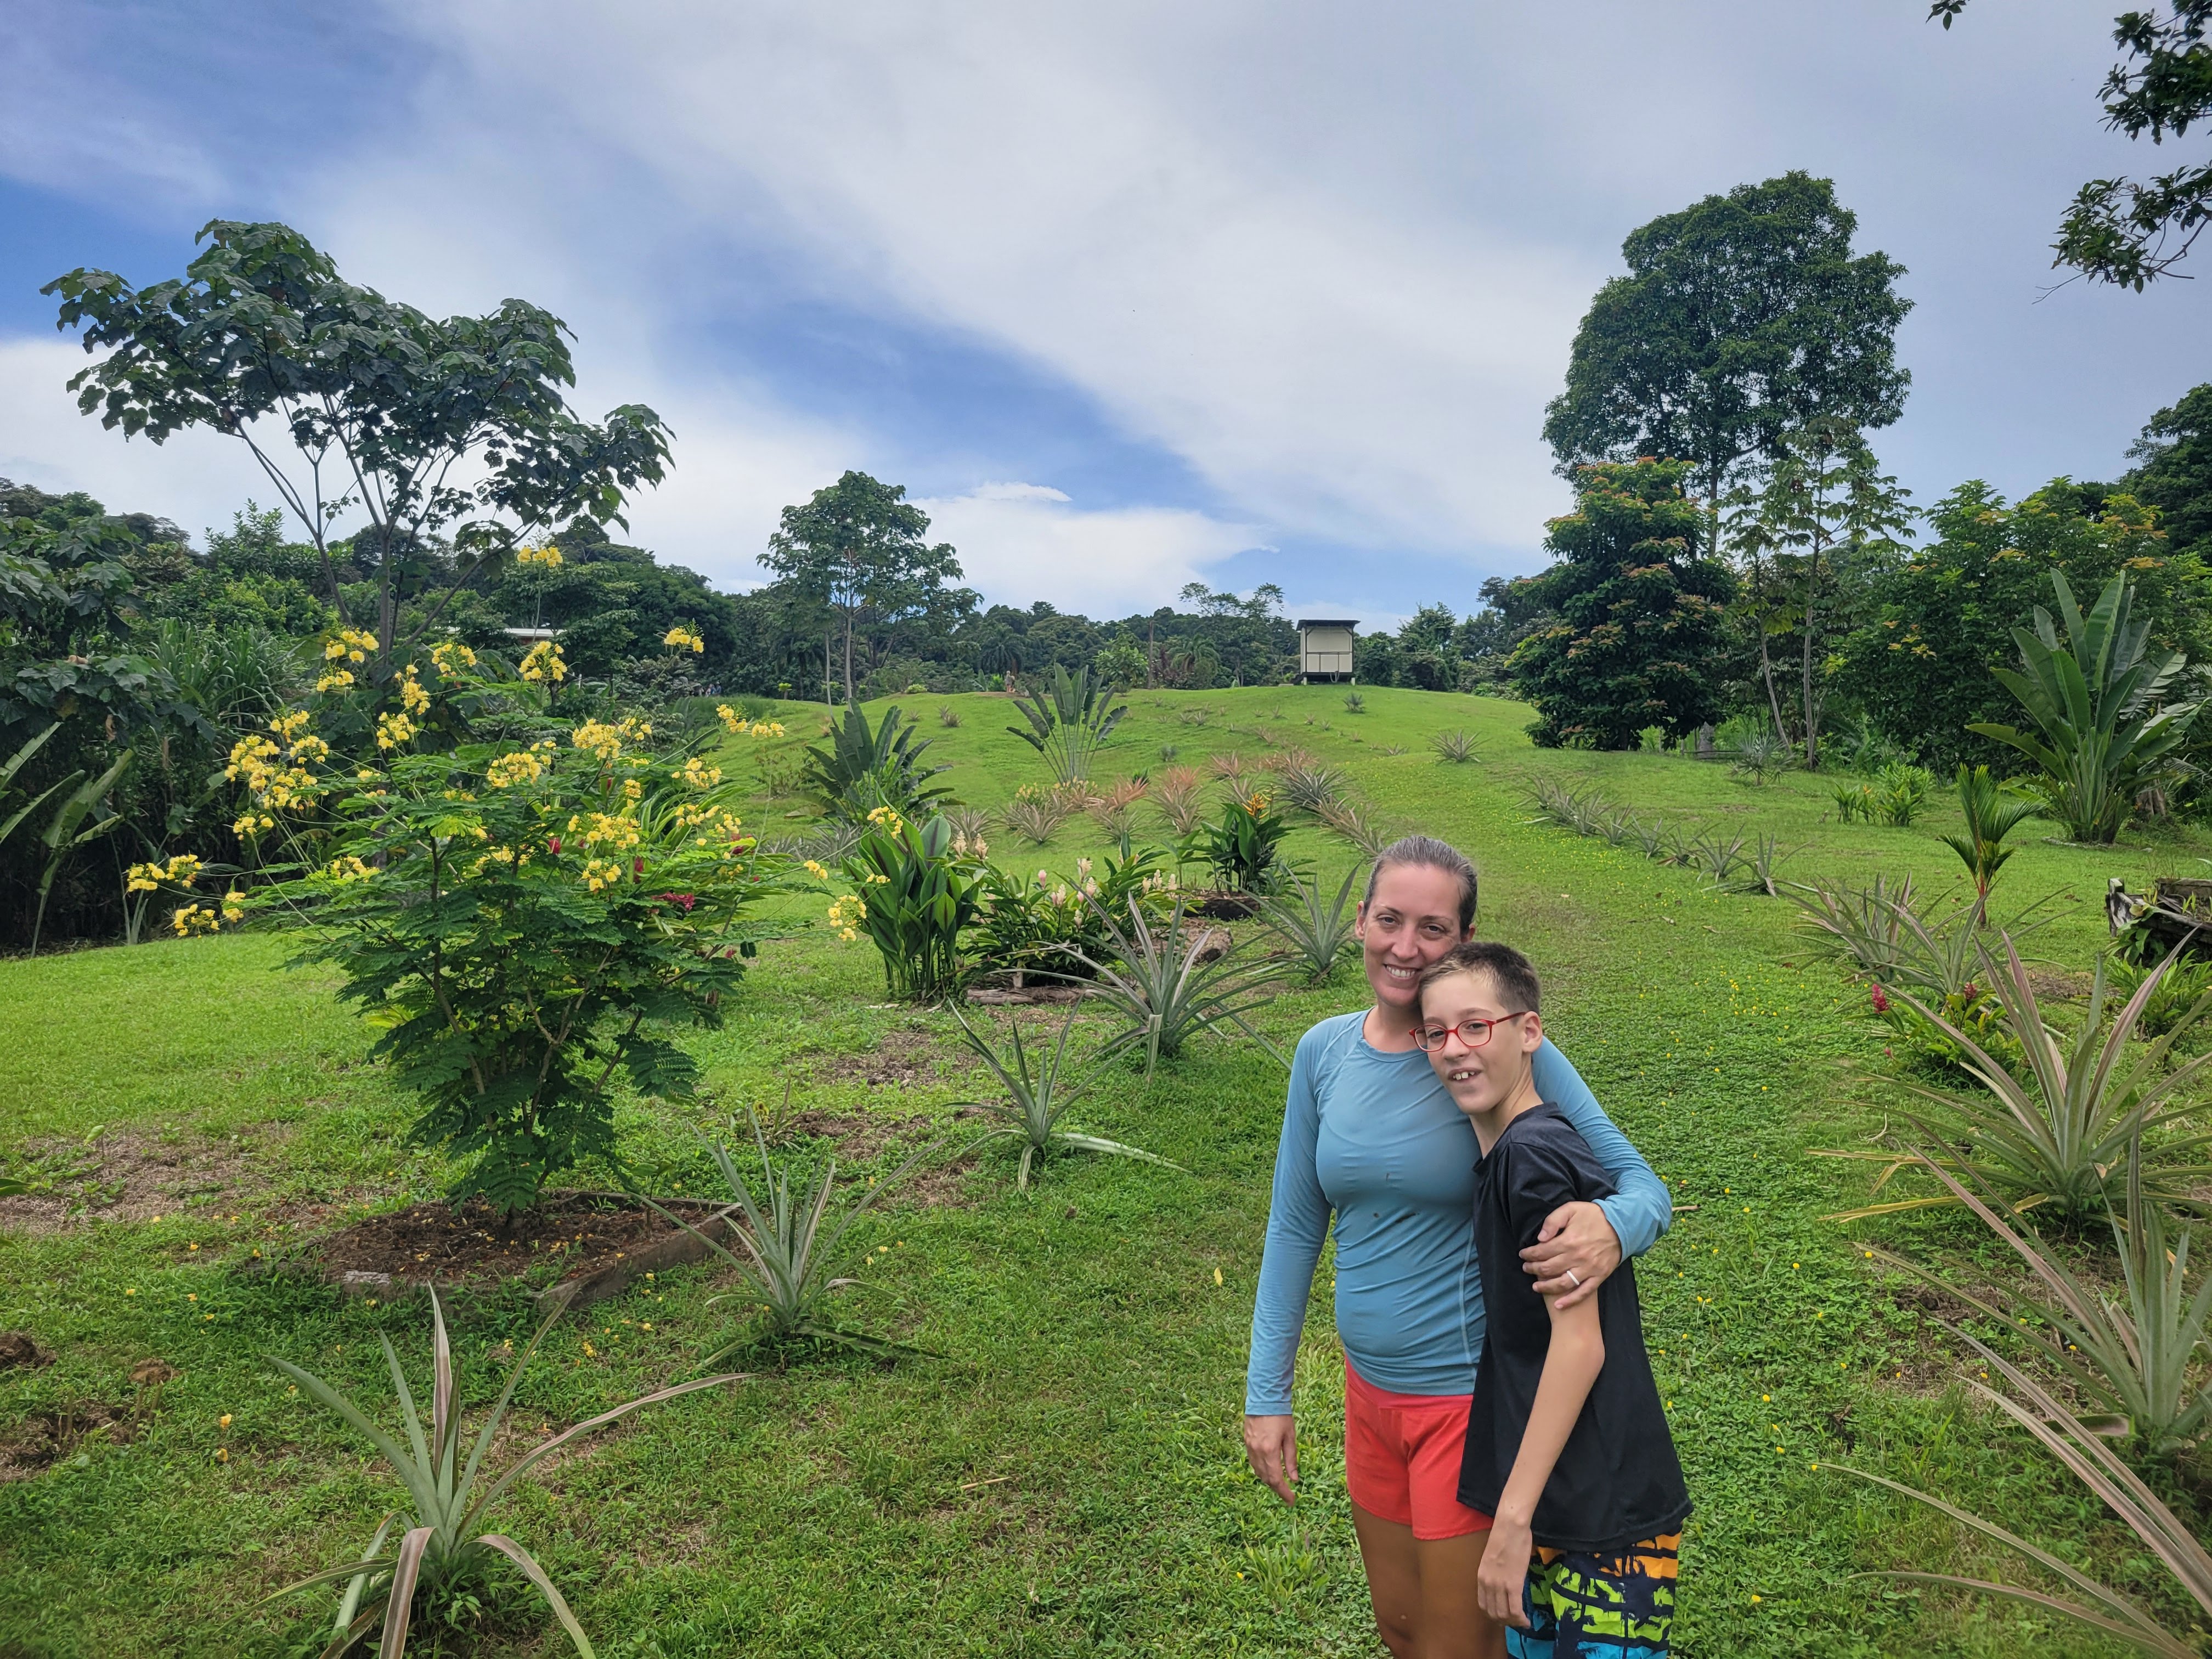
(2174, 469)
(1742, 317)
(859, 546)
(2119, 231)
(1639, 630)
(1825, 519)
(384, 411)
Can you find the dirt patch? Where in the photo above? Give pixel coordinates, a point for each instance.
(901, 1058)
(124, 1176)
(43, 1438)
(2059, 986)
(16, 1348)
(577, 1236)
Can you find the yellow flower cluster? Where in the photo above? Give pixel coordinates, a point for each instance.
(506, 771)
(632, 789)
(699, 774)
(336, 680)
(683, 639)
(884, 817)
(1256, 803)
(547, 556)
(191, 919)
(180, 871)
(393, 730)
(349, 869)
(720, 824)
(412, 697)
(846, 915)
(543, 662)
(740, 727)
(349, 645)
(820, 872)
(449, 657)
(233, 906)
(606, 740)
(276, 771)
(598, 874)
(250, 823)
(601, 829)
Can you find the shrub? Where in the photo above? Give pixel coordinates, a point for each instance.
(1453, 748)
(1166, 985)
(915, 890)
(1230, 766)
(863, 767)
(1318, 931)
(1032, 1099)
(947, 715)
(1354, 703)
(1044, 925)
(1034, 814)
(440, 1550)
(2102, 704)
(1116, 808)
(521, 924)
(1310, 785)
(790, 1248)
(1900, 794)
(1855, 803)
(1240, 849)
(1759, 754)
(1176, 794)
(1352, 821)
(2055, 1134)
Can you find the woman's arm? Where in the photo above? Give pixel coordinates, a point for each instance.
(1297, 1223)
(1641, 1209)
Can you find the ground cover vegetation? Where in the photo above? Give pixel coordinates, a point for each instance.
(1032, 1444)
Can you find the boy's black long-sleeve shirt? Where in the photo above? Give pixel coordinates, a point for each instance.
(1618, 1481)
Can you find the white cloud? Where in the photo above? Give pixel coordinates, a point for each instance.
(196, 478)
(1022, 542)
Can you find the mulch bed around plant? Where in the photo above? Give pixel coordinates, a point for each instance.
(598, 1242)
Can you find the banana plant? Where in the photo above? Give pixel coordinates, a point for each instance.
(1069, 727)
(15, 763)
(2099, 702)
(439, 1536)
(62, 836)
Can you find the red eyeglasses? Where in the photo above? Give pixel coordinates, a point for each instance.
(1473, 1033)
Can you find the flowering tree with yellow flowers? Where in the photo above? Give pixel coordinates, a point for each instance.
(524, 920)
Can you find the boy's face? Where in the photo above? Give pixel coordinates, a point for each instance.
(1483, 1076)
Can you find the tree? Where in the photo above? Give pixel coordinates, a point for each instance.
(1742, 317)
(2174, 468)
(858, 545)
(385, 408)
(2118, 231)
(1639, 631)
(1826, 518)
(1922, 665)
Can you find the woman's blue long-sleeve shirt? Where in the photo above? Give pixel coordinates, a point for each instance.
(1374, 1138)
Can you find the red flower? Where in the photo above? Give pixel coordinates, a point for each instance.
(553, 845)
(1970, 995)
(637, 866)
(687, 900)
(1881, 1002)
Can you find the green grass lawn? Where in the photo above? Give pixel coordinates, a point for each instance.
(1068, 1478)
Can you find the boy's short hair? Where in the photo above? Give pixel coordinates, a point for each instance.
(1513, 974)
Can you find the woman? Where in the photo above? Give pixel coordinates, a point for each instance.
(1371, 1136)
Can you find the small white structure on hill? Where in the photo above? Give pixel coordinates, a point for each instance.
(1325, 650)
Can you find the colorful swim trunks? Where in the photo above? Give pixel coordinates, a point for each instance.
(1594, 1607)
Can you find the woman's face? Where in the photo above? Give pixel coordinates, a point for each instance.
(1412, 920)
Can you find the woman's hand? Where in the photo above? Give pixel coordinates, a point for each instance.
(1271, 1446)
(1574, 1251)
(1504, 1570)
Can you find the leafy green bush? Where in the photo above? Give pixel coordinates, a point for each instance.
(1070, 727)
(521, 923)
(1241, 848)
(1318, 931)
(1453, 748)
(1166, 984)
(1045, 927)
(1900, 794)
(916, 889)
(863, 767)
(439, 1551)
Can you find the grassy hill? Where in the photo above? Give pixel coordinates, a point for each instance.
(1068, 1479)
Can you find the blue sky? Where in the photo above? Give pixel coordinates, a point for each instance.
(1126, 295)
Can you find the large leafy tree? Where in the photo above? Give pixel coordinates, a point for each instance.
(1922, 663)
(2174, 468)
(859, 546)
(355, 404)
(1742, 318)
(1809, 541)
(1638, 632)
(2118, 230)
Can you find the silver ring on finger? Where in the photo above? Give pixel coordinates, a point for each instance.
(1577, 1278)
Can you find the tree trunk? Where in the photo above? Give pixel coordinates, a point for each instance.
(848, 657)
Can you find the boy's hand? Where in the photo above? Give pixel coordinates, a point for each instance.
(1575, 1251)
(1505, 1572)
(1271, 1446)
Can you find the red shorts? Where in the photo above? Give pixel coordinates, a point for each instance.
(1401, 1457)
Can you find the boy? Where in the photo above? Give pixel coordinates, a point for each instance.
(1567, 1444)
